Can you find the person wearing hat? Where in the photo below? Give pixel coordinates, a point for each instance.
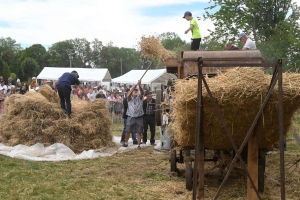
(194, 28)
(2, 86)
(149, 117)
(134, 122)
(63, 87)
(248, 43)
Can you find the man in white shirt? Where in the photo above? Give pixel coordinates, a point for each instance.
(2, 86)
(248, 43)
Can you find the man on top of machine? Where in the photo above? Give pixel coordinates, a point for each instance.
(248, 43)
(194, 28)
(230, 46)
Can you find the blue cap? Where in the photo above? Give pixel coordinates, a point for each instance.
(240, 35)
(187, 13)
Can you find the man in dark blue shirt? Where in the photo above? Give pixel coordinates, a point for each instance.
(63, 87)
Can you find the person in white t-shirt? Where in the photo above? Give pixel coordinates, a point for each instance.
(91, 95)
(2, 86)
(248, 43)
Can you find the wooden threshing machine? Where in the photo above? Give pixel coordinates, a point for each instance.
(209, 63)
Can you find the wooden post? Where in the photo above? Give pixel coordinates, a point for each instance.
(252, 166)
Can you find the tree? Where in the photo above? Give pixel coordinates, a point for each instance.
(29, 68)
(38, 53)
(15, 65)
(6, 71)
(8, 49)
(82, 52)
(274, 25)
(172, 41)
(119, 60)
(78, 52)
(96, 46)
(61, 53)
(1, 66)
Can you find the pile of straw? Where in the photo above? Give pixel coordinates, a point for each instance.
(152, 48)
(33, 118)
(239, 94)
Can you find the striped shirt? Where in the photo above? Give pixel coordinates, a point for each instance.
(135, 107)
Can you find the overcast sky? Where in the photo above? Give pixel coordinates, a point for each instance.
(121, 21)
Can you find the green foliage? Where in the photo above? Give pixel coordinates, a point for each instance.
(14, 76)
(59, 54)
(172, 41)
(29, 68)
(1, 66)
(274, 25)
(15, 65)
(6, 71)
(38, 53)
(119, 60)
(8, 49)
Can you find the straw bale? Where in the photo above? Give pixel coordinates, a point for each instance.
(47, 92)
(151, 47)
(36, 117)
(239, 94)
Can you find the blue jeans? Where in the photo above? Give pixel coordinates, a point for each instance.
(64, 93)
(124, 132)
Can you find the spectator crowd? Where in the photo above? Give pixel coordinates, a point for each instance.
(116, 101)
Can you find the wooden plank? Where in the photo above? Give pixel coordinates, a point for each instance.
(252, 167)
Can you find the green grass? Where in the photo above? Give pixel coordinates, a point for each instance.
(123, 176)
(137, 174)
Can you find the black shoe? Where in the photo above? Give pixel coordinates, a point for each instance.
(135, 142)
(122, 141)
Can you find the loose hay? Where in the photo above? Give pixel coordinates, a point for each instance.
(151, 47)
(48, 92)
(33, 118)
(239, 94)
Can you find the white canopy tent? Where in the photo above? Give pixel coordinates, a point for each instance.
(85, 74)
(152, 76)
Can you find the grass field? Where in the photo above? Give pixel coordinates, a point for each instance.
(137, 174)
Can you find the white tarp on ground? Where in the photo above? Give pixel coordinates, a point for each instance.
(152, 76)
(60, 152)
(85, 74)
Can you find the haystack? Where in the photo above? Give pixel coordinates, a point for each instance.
(152, 48)
(239, 94)
(33, 118)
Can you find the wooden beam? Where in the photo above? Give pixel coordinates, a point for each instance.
(252, 166)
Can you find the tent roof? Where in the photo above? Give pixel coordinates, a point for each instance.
(153, 75)
(85, 74)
